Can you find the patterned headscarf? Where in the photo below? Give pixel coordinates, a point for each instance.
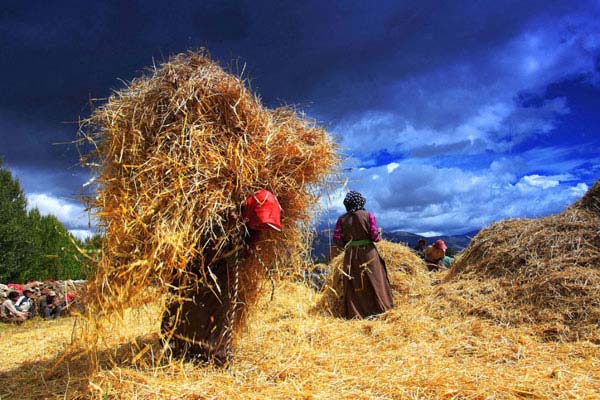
(354, 201)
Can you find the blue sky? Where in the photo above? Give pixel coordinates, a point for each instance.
(450, 116)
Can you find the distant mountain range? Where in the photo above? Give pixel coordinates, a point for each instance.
(321, 243)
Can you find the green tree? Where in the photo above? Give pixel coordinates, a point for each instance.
(14, 251)
(92, 247)
(33, 246)
(53, 250)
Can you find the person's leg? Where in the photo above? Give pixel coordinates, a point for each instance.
(56, 312)
(60, 308)
(448, 261)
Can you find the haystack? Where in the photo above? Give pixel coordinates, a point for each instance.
(543, 271)
(176, 154)
(406, 271)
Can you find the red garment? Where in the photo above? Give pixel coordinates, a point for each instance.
(373, 231)
(439, 244)
(262, 211)
(16, 287)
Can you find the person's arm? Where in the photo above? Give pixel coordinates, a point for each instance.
(337, 234)
(13, 310)
(374, 233)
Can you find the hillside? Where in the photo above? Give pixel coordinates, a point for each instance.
(321, 242)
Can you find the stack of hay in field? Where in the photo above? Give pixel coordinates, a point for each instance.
(406, 271)
(542, 271)
(177, 152)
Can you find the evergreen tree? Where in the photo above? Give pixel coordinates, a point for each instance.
(32, 246)
(52, 248)
(14, 250)
(92, 247)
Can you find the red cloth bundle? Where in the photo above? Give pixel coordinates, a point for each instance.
(262, 211)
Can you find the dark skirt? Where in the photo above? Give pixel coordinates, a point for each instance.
(202, 332)
(367, 289)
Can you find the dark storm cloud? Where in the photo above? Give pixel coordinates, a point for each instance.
(57, 54)
(334, 59)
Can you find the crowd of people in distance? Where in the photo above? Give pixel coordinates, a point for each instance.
(25, 302)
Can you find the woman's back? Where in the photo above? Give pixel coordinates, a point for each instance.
(355, 226)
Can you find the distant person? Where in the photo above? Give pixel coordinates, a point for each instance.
(367, 289)
(435, 255)
(25, 302)
(50, 306)
(420, 247)
(8, 310)
(71, 304)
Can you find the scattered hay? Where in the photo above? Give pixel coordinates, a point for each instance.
(543, 271)
(288, 352)
(406, 271)
(176, 153)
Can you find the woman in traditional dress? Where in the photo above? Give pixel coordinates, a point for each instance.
(367, 289)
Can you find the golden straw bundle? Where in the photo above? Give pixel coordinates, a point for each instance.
(543, 271)
(177, 152)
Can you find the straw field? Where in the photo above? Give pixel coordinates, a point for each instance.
(407, 273)
(293, 348)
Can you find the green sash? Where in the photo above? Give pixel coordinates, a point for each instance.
(357, 243)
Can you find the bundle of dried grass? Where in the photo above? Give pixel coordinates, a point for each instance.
(289, 352)
(176, 153)
(406, 271)
(543, 271)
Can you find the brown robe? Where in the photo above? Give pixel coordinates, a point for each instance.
(367, 289)
(202, 324)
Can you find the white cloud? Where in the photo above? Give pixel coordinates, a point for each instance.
(81, 234)
(425, 198)
(391, 167)
(579, 190)
(537, 181)
(458, 147)
(72, 215)
(333, 201)
(430, 233)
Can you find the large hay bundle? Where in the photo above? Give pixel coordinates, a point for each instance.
(542, 271)
(177, 152)
(406, 271)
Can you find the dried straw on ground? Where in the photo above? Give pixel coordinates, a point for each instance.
(177, 152)
(542, 271)
(288, 352)
(406, 271)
